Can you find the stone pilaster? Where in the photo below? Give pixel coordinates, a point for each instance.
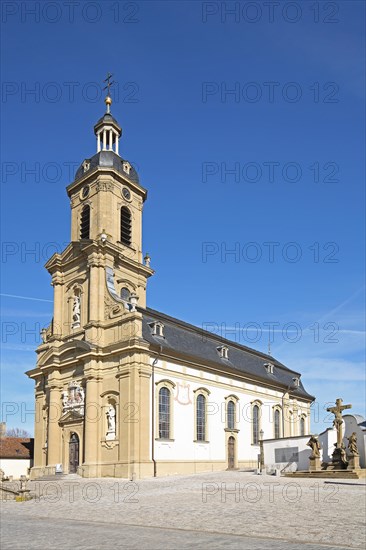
(135, 411)
(92, 420)
(39, 429)
(54, 414)
(57, 283)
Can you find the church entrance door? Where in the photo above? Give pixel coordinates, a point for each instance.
(73, 453)
(231, 453)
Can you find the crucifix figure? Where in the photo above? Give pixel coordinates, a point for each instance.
(338, 420)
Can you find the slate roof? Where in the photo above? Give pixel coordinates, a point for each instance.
(195, 342)
(107, 118)
(108, 159)
(16, 447)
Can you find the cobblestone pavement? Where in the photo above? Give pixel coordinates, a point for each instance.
(216, 510)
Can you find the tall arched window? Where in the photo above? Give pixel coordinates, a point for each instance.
(85, 222)
(125, 226)
(255, 425)
(302, 426)
(277, 429)
(164, 413)
(231, 415)
(201, 417)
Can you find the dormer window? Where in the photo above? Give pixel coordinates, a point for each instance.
(296, 380)
(269, 367)
(223, 351)
(86, 165)
(157, 328)
(126, 167)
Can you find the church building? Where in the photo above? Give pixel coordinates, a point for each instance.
(122, 390)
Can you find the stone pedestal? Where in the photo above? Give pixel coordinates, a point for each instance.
(111, 436)
(314, 465)
(353, 462)
(338, 459)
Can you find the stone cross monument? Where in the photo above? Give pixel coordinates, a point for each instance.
(339, 453)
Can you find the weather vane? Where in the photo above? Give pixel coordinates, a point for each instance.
(108, 99)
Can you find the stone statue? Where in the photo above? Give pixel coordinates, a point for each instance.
(352, 444)
(76, 311)
(111, 419)
(314, 444)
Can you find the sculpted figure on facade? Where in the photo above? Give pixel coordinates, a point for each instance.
(73, 398)
(76, 312)
(111, 422)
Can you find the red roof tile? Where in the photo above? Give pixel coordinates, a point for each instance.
(16, 447)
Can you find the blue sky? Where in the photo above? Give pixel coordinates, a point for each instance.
(247, 129)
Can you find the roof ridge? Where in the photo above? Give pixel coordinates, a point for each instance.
(218, 337)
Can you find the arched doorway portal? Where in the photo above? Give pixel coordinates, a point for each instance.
(73, 453)
(231, 453)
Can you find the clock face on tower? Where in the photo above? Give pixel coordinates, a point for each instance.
(85, 192)
(126, 193)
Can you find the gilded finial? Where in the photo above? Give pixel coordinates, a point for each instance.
(108, 99)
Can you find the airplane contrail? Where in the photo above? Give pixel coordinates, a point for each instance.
(26, 298)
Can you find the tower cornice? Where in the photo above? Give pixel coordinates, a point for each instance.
(89, 177)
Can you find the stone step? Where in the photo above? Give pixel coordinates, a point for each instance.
(57, 477)
(328, 474)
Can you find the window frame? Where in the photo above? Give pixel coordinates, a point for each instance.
(256, 436)
(204, 392)
(169, 385)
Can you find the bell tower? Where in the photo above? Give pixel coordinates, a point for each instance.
(94, 363)
(104, 265)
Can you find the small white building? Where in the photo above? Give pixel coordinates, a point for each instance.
(16, 456)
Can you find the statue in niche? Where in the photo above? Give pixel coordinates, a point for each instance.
(111, 422)
(76, 311)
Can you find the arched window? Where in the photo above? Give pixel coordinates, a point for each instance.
(231, 415)
(255, 425)
(125, 226)
(201, 417)
(164, 413)
(277, 429)
(302, 425)
(85, 222)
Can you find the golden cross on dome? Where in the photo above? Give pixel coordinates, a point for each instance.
(108, 99)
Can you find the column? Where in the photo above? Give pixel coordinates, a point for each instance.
(54, 429)
(98, 142)
(110, 140)
(117, 144)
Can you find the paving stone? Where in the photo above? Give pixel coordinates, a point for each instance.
(232, 509)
